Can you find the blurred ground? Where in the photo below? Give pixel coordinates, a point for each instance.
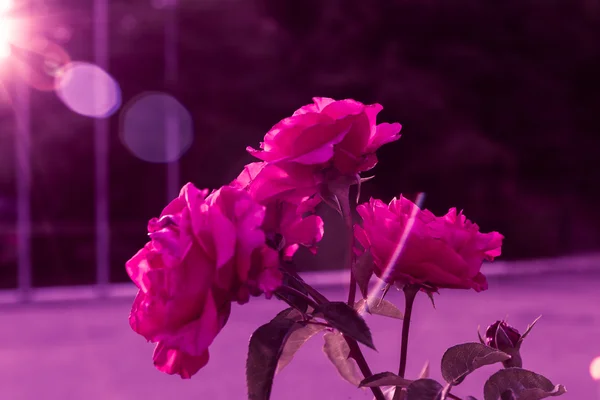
(86, 350)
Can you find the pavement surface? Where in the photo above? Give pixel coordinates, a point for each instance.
(85, 350)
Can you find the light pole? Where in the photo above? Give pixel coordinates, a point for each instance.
(23, 181)
(101, 148)
(171, 77)
(21, 106)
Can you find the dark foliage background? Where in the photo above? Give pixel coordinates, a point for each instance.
(498, 102)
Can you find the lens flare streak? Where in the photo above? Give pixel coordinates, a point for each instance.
(5, 28)
(371, 298)
(5, 5)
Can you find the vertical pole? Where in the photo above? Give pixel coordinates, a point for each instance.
(171, 121)
(101, 146)
(23, 178)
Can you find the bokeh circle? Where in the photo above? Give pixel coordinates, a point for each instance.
(156, 128)
(88, 90)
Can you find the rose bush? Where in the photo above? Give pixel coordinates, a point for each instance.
(440, 252)
(205, 251)
(342, 134)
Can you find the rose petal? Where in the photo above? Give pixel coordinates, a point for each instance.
(173, 361)
(195, 337)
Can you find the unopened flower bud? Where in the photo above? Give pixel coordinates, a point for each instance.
(508, 336)
(507, 339)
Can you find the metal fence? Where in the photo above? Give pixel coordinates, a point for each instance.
(24, 227)
(26, 230)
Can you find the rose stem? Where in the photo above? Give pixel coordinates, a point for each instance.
(410, 292)
(344, 199)
(357, 354)
(352, 290)
(343, 196)
(355, 350)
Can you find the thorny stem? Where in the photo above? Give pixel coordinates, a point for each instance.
(352, 290)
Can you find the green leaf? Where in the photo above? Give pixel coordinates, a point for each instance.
(346, 320)
(338, 352)
(291, 299)
(524, 385)
(264, 350)
(378, 306)
(298, 283)
(424, 389)
(363, 271)
(537, 393)
(384, 379)
(528, 330)
(459, 361)
(291, 314)
(295, 341)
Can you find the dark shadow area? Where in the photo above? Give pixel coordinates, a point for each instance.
(498, 105)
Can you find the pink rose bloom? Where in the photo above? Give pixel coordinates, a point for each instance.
(286, 221)
(440, 252)
(341, 133)
(204, 252)
(291, 182)
(289, 193)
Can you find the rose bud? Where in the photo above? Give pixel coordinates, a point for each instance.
(507, 339)
(500, 336)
